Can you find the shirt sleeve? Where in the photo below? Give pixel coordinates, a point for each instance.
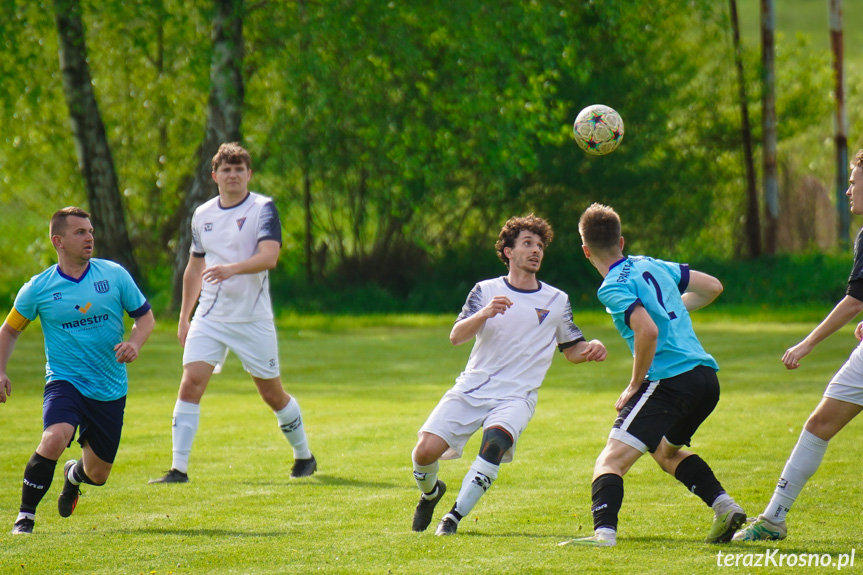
(568, 334)
(474, 303)
(618, 300)
(26, 303)
(269, 224)
(196, 249)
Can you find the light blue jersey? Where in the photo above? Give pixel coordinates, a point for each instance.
(82, 320)
(657, 286)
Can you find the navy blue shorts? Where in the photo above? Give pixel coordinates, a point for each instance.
(673, 408)
(99, 423)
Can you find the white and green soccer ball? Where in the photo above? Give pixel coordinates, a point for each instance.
(598, 130)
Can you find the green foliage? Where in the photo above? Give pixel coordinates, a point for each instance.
(366, 385)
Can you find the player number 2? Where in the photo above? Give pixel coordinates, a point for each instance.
(648, 277)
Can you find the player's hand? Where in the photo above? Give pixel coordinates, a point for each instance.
(498, 305)
(626, 396)
(5, 387)
(183, 331)
(793, 355)
(126, 352)
(217, 274)
(595, 351)
(858, 333)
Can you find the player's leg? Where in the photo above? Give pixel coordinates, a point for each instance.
(99, 436)
(39, 473)
(496, 441)
(60, 417)
(823, 424)
(444, 434)
(290, 419)
(424, 457)
(697, 394)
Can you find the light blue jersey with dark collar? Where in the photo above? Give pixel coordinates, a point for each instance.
(657, 286)
(82, 320)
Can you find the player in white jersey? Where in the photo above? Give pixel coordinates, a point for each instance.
(843, 398)
(80, 303)
(236, 238)
(673, 387)
(518, 322)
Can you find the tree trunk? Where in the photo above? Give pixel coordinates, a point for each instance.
(224, 117)
(91, 141)
(841, 137)
(753, 222)
(768, 123)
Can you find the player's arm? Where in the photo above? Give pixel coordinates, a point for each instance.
(644, 348)
(8, 339)
(846, 310)
(701, 290)
(265, 258)
(582, 351)
(467, 328)
(127, 351)
(192, 282)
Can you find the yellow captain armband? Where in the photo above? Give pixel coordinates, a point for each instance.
(17, 321)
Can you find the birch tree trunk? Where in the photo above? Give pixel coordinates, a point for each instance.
(91, 142)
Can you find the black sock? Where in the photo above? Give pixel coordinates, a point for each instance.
(38, 475)
(697, 476)
(607, 492)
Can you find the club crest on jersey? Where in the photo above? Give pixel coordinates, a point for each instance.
(101, 286)
(240, 223)
(541, 314)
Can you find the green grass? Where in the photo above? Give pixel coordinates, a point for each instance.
(365, 386)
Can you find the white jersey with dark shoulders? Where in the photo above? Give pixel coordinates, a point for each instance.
(513, 351)
(229, 235)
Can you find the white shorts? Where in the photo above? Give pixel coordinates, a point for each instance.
(254, 343)
(458, 416)
(847, 384)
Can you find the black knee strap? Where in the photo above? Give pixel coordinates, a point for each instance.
(495, 442)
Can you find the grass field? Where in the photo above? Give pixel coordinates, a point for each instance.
(366, 385)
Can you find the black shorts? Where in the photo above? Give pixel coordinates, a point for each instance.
(99, 423)
(672, 408)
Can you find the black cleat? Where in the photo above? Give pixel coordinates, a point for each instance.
(68, 499)
(304, 467)
(23, 526)
(172, 476)
(425, 508)
(447, 526)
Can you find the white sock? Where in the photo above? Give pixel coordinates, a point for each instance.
(801, 465)
(426, 477)
(291, 423)
(722, 504)
(186, 418)
(477, 481)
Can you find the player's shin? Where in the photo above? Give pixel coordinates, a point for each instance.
(185, 426)
(801, 465)
(607, 497)
(426, 477)
(291, 423)
(477, 481)
(38, 475)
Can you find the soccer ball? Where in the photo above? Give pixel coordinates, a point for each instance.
(598, 130)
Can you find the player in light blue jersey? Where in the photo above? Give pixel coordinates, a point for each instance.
(673, 387)
(80, 303)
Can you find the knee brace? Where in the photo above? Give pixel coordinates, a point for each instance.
(495, 442)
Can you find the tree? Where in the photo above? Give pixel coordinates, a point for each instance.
(768, 122)
(225, 112)
(94, 151)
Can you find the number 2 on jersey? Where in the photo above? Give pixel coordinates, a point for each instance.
(648, 277)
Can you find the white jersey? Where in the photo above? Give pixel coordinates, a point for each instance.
(229, 235)
(513, 351)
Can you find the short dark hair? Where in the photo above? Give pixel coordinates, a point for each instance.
(514, 226)
(232, 153)
(60, 217)
(599, 227)
(857, 162)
